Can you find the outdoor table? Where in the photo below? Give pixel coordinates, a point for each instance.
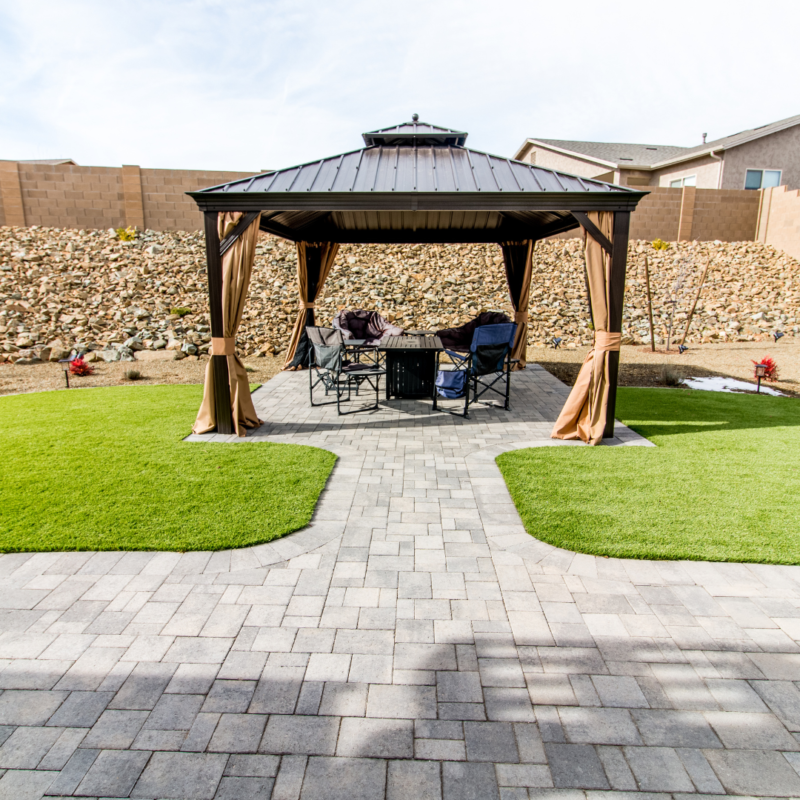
(410, 365)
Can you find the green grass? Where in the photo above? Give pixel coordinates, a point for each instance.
(722, 483)
(105, 469)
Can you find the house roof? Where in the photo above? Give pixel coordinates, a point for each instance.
(615, 153)
(51, 161)
(416, 190)
(645, 156)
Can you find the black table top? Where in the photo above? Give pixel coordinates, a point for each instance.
(411, 343)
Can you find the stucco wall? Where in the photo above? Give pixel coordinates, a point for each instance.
(777, 151)
(577, 166)
(705, 168)
(779, 219)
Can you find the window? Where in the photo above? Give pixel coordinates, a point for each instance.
(762, 178)
(689, 180)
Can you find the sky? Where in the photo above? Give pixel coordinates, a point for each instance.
(202, 84)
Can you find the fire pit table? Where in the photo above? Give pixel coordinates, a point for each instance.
(410, 365)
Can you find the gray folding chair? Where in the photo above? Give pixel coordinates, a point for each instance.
(329, 367)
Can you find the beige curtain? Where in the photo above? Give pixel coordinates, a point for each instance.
(584, 414)
(237, 266)
(314, 263)
(518, 260)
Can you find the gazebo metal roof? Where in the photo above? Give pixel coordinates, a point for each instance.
(416, 182)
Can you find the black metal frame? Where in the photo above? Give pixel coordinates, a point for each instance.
(301, 211)
(340, 379)
(474, 381)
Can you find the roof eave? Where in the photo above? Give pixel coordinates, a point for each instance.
(694, 156)
(573, 153)
(712, 148)
(415, 201)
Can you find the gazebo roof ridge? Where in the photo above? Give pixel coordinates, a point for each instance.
(414, 132)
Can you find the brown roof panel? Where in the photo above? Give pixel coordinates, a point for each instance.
(416, 190)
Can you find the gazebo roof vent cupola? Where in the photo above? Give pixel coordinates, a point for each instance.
(415, 133)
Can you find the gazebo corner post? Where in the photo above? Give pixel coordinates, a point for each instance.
(222, 389)
(616, 299)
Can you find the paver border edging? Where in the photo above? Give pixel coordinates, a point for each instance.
(488, 482)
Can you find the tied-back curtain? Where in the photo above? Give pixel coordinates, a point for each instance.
(584, 414)
(314, 263)
(237, 266)
(518, 259)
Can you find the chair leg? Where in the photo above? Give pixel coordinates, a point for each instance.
(508, 385)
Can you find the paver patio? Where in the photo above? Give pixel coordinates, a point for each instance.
(412, 642)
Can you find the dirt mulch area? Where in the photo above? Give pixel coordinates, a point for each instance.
(48, 377)
(641, 367)
(638, 367)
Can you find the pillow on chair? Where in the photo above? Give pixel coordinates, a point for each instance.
(461, 338)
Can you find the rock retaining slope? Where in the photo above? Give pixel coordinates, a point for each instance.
(67, 289)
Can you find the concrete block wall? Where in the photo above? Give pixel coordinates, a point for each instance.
(779, 220)
(166, 206)
(66, 196)
(730, 215)
(688, 214)
(70, 196)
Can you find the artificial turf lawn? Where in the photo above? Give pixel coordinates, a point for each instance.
(105, 469)
(722, 483)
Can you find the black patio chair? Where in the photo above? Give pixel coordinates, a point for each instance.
(328, 366)
(487, 363)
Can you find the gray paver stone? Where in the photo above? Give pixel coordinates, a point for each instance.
(575, 766)
(658, 769)
(190, 776)
(465, 781)
(344, 779)
(491, 741)
(113, 773)
(300, 735)
(418, 779)
(377, 738)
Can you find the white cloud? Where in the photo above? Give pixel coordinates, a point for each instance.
(250, 85)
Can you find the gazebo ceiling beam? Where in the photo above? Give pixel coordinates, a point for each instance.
(244, 223)
(593, 231)
(329, 233)
(269, 226)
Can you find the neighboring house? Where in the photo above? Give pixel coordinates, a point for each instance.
(756, 159)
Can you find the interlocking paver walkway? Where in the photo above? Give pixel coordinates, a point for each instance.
(412, 642)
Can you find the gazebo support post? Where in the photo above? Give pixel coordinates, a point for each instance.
(222, 389)
(619, 260)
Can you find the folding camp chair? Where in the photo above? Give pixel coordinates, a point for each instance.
(329, 367)
(487, 363)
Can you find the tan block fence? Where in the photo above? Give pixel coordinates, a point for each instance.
(70, 196)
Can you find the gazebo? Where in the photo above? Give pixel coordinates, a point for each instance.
(419, 183)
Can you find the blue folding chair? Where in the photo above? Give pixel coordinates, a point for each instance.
(487, 363)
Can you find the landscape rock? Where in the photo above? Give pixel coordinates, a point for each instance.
(87, 290)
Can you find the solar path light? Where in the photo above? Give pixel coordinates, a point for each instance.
(761, 371)
(556, 342)
(65, 362)
(777, 335)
